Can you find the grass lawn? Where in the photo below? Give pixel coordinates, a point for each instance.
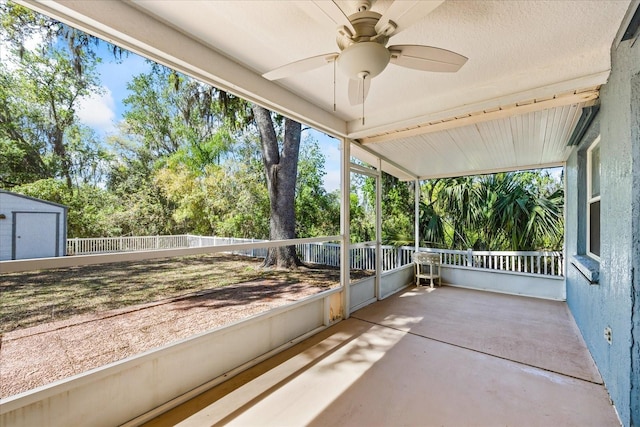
(32, 298)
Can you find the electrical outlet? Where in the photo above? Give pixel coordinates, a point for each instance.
(608, 335)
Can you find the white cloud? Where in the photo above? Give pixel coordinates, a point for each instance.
(11, 61)
(35, 40)
(98, 111)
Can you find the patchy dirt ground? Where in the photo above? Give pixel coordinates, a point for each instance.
(36, 297)
(143, 313)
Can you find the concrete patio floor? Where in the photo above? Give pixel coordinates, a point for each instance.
(442, 357)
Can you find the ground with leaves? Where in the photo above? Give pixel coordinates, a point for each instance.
(63, 322)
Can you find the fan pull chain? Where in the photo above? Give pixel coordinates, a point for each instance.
(363, 77)
(334, 85)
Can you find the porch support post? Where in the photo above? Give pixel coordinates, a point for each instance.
(379, 229)
(345, 199)
(416, 220)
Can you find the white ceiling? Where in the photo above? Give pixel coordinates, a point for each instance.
(516, 142)
(527, 60)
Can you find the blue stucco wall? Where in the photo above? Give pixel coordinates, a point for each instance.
(635, 312)
(615, 301)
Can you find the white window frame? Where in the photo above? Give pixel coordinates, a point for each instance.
(592, 199)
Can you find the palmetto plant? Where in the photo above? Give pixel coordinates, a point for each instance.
(505, 211)
(525, 214)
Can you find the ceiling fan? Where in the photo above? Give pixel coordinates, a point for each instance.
(362, 39)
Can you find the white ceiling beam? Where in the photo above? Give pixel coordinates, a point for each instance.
(122, 24)
(485, 116)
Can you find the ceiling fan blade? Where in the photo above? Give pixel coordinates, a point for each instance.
(333, 11)
(358, 90)
(405, 13)
(426, 58)
(300, 66)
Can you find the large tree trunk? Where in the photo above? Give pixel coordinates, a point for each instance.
(60, 149)
(281, 170)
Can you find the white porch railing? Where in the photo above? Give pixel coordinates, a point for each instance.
(362, 254)
(534, 262)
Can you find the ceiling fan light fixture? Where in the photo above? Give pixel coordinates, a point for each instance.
(364, 57)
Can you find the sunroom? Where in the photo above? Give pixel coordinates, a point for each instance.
(519, 89)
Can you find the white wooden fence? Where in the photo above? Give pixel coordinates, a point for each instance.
(362, 255)
(103, 245)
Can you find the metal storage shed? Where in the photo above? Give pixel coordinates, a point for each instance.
(31, 228)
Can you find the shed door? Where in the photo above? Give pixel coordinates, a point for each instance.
(35, 235)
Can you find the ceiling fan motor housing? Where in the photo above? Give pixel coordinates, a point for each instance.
(370, 58)
(364, 53)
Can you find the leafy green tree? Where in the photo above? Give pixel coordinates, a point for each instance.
(24, 149)
(131, 179)
(90, 208)
(186, 191)
(90, 158)
(38, 101)
(166, 171)
(175, 133)
(280, 161)
(361, 229)
(397, 208)
(317, 212)
(397, 211)
(186, 133)
(175, 115)
(40, 91)
(242, 200)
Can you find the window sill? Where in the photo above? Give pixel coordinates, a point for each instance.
(588, 267)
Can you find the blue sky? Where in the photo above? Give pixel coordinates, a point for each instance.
(103, 111)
